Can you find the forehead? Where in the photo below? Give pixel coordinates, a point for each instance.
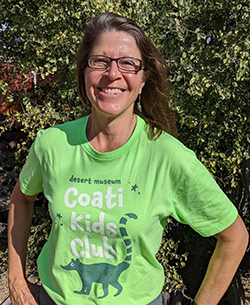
(116, 44)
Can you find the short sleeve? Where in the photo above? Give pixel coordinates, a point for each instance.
(199, 202)
(31, 180)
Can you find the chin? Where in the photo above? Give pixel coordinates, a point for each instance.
(111, 110)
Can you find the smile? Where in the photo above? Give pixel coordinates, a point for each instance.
(111, 91)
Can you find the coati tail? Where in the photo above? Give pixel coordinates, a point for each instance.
(123, 231)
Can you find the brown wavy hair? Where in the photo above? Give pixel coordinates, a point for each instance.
(156, 91)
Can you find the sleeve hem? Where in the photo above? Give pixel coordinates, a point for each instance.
(27, 192)
(217, 228)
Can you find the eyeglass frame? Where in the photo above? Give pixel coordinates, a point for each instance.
(141, 67)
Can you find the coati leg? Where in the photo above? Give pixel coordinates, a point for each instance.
(84, 290)
(105, 290)
(118, 287)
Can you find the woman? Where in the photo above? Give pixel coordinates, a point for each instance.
(112, 179)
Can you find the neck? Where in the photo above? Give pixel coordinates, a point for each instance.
(109, 134)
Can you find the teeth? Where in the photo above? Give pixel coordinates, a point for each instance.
(112, 91)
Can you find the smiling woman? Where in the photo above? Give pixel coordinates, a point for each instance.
(106, 231)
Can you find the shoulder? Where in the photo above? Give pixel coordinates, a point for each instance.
(64, 134)
(173, 145)
(61, 132)
(167, 147)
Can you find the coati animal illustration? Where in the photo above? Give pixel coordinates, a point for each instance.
(103, 273)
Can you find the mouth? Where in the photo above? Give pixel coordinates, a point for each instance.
(111, 90)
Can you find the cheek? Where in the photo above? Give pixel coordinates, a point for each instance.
(91, 77)
(89, 82)
(134, 82)
(87, 78)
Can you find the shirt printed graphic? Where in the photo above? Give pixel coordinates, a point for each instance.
(103, 273)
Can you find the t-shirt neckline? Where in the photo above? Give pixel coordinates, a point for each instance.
(115, 153)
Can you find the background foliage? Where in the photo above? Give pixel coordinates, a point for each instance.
(207, 48)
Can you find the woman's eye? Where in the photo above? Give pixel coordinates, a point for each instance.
(127, 63)
(100, 62)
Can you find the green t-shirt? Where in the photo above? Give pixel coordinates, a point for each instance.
(108, 211)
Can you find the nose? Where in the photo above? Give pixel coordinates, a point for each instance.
(113, 70)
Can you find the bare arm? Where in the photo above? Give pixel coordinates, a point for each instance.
(20, 216)
(229, 251)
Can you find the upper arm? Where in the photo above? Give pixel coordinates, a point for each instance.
(236, 232)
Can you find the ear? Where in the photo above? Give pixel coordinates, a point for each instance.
(143, 82)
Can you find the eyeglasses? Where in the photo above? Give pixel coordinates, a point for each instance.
(101, 62)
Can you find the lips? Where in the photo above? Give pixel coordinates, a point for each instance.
(111, 90)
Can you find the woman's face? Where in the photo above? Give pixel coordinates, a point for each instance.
(113, 92)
